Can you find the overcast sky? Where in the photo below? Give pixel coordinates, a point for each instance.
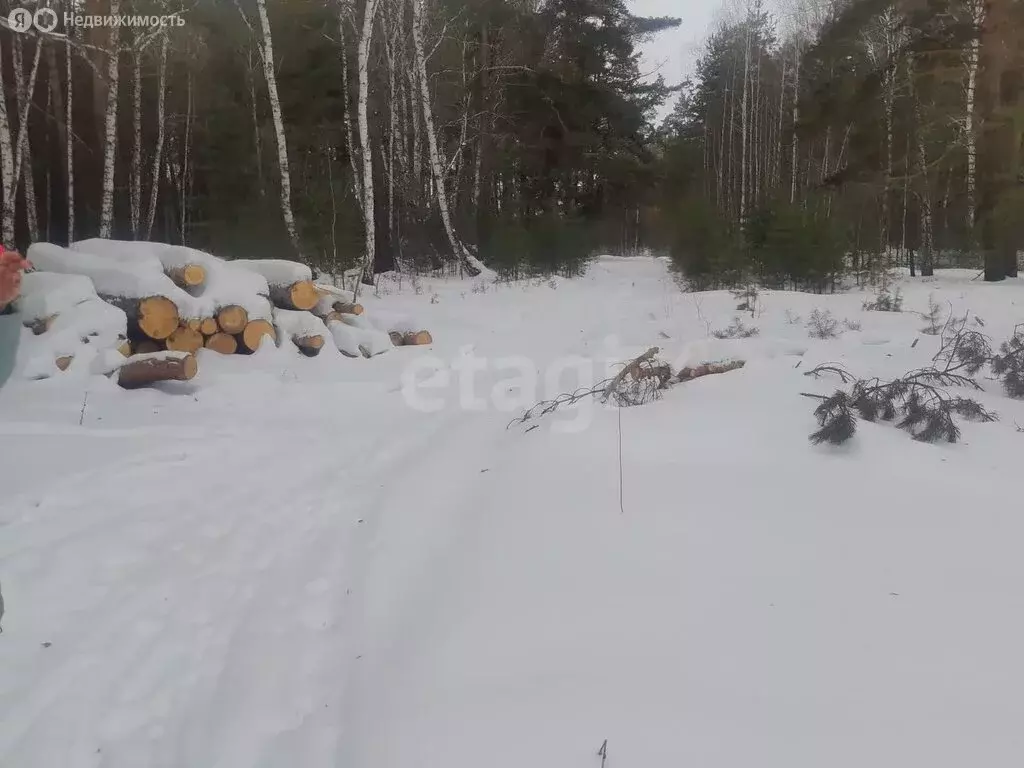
(673, 53)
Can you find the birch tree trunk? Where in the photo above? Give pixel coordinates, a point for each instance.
(351, 149)
(973, 58)
(160, 137)
(70, 137)
(110, 128)
(796, 119)
(279, 134)
(743, 125)
(458, 251)
(23, 98)
(366, 149)
(135, 182)
(6, 172)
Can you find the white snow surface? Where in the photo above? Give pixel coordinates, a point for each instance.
(346, 338)
(284, 562)
(84, 331)
(277, 271)
(227, 284)
(48, 293)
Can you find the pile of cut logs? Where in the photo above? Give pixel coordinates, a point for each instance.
(157, 305)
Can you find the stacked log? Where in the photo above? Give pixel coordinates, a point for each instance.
(147, 369)
(290, 284)
(254, 334)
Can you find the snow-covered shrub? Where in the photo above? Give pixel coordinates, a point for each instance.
(852, 325)
(822, 325)
(736, 330)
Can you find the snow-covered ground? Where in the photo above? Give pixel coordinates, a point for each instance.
(352, 563)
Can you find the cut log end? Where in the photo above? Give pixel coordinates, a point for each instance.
(188, 276)
(303, 295)
(208, 326)
(310, 346)
(417, 338)
(194, 323)
(64, 362)
(397, 338)
(232, 319)
(125, 348)
(141, 373)
(224, 343)
(184, 339)
(158, 317)
(254, 333)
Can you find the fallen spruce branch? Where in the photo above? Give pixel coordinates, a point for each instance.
(918, 401)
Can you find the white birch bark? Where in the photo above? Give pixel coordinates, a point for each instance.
(279, 134)
(366, 149)
(352, 149)
(23, 94)
(135, 180)
(435, 161)
(110, 128)
(6, 173)
(70, 137)
(796, 119)
(161, 128)
(743, 123)
(978, 9)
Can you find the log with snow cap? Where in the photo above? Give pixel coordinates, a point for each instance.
(291, 283)
(153, 304)
(183, 265)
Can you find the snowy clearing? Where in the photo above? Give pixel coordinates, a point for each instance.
(284, 562)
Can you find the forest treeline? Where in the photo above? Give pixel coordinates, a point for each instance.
(812, 140)
(850, 136)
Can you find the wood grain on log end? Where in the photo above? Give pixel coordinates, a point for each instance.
(208, 326)
(303, 295)
(188, 276)
(222, 342)
(184, 339)
(158, 317)
(254, 333)
(232, 319)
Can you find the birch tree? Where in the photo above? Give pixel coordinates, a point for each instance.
(110, 126)
(279, 133)
(458, 250)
